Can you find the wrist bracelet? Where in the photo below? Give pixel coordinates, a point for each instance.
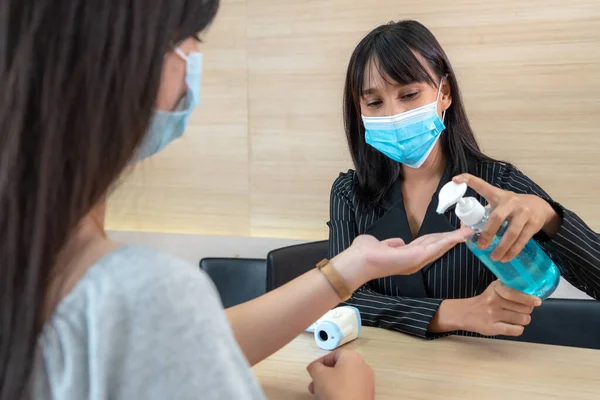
(335, 279)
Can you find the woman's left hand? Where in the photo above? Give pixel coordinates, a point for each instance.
(368, 258)
(527, 214)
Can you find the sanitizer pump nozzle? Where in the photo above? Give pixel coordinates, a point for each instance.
(468, 209)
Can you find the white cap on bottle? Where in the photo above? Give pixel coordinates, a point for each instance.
(468, 209)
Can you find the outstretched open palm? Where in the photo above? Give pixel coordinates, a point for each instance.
(394, 257)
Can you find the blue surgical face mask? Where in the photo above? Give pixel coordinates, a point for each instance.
(167, 126)
(409, 137)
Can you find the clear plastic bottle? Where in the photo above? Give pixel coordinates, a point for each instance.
(532, 271)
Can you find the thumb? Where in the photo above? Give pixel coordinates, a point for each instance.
(311, 387)
(396, 242)
(316, 369)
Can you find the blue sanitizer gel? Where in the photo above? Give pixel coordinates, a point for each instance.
(532, 271)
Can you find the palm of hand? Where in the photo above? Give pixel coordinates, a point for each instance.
(394, 257)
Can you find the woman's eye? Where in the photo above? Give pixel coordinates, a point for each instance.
(373, 103)
(409, 96)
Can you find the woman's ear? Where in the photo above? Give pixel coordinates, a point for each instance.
(172, 86)
(446, 94)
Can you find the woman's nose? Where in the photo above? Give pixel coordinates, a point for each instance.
(393, 108)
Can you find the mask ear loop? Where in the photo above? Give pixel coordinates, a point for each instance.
(180, 53)
(438, 97)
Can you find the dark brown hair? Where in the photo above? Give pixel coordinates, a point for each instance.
(79, 79)
(393, 47)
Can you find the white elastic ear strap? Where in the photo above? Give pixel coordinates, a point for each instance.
(440, 88)
(180, 53)
(438, 98)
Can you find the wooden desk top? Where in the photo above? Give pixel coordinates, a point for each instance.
(449, 368)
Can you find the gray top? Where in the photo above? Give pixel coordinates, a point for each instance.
(141, 325)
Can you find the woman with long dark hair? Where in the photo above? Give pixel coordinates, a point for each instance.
(89, 88)
(408, 134)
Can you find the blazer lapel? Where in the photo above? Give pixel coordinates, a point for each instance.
(434, 222)
(394, 224)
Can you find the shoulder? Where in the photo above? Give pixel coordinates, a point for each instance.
(138, 313)
(507, 176)
(344, 184)
(135, 271)
(492, 171)
(135, 274)
(138, 286)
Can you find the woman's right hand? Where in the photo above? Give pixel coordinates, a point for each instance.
(341, 374)
(499, 310)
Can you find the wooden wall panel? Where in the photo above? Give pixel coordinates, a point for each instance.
(199, 184)
(268, 139)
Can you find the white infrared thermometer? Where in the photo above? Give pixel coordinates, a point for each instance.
(336, 328)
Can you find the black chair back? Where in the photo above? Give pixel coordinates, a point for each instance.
(237, 279)
(564, 322)
(290, 262)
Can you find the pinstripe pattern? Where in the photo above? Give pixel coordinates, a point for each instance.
(457, 274)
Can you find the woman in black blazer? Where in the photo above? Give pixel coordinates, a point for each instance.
(401, 164)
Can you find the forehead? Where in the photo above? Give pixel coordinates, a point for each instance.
(375, 77)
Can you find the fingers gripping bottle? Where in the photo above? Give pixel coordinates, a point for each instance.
(532, 271)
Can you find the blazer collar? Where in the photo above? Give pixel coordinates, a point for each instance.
(394, 222)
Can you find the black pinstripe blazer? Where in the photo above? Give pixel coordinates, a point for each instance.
(408, 303)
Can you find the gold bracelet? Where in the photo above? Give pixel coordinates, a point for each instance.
(335, 279)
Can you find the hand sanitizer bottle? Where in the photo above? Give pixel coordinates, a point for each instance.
(531, 271)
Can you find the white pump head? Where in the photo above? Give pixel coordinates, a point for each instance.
(468, 209)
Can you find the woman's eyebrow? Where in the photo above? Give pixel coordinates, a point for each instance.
(369, 91)
(374, 90)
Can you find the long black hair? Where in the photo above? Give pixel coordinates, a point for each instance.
(392, 47)
(79, 79)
